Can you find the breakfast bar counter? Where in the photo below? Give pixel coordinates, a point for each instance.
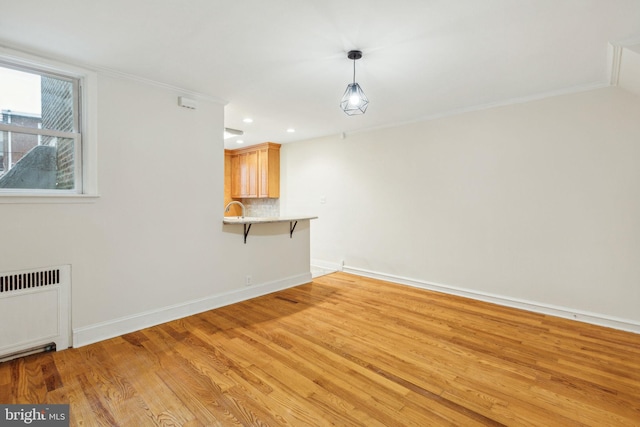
(248, 221)
(260, 219)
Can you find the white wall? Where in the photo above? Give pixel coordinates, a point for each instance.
(536, 203)
(152, 247)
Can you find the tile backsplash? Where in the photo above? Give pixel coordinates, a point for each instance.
(262, 207)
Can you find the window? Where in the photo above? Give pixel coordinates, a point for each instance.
(41, 134)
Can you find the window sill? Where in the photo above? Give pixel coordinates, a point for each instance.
(47, 198)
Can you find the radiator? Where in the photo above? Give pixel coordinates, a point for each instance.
(35, 311)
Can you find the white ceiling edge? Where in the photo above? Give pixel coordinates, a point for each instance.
(614, 60)
(615, 53)
(37, 58)
(464, 110)
(161, 85)
(480, 107)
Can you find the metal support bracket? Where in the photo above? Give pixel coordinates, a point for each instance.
(246, 232)
(247, 228)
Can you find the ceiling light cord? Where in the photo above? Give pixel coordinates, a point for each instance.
(354, 71)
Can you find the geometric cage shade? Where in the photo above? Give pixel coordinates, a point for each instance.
(354, 101)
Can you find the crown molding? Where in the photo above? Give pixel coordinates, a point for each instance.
(481, 107)
(161, 85)
(37, 57)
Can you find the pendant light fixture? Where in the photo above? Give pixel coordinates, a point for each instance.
(354, 101)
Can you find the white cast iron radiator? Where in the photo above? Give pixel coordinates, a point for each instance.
(35, 311)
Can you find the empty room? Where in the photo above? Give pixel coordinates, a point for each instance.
(314, 213)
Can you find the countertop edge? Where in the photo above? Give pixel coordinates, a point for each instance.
(265, 220)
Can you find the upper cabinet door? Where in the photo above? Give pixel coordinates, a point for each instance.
(269, 172)
(255, 171)
(251, 172)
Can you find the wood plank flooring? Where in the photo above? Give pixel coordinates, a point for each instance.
(347, 351)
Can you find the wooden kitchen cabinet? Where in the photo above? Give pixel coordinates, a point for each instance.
(269, 171)
(244, 174)
(255, 171)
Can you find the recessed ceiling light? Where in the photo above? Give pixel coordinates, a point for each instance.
(239, 141)
(291, 130)
(248, 120)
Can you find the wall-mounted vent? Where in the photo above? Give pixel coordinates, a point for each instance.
(35, 311)
(29, 280)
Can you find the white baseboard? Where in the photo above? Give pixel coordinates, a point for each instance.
(124, 325)
(536, 307)
(326, 265)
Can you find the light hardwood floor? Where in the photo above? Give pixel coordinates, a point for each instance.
(347, 351)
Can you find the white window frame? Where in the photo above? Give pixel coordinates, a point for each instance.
(85, 139)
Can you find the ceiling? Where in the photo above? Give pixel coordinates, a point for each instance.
(283, 62)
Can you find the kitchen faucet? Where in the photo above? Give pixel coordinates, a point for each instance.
(226, 208)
